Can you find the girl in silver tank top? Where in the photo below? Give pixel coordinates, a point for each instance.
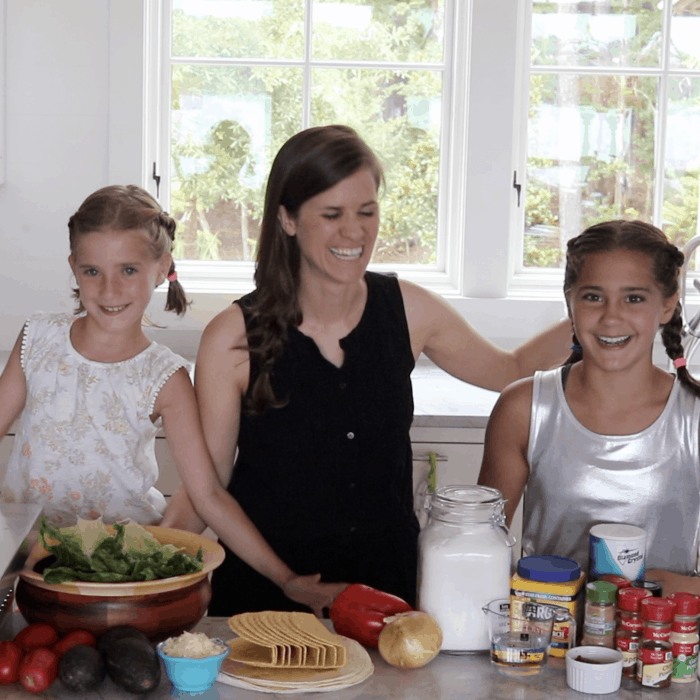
(609, 437)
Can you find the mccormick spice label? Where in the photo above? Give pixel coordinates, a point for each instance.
(654, 667)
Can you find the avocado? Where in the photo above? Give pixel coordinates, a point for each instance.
(120, 632)
(82, 668)
(133, 664)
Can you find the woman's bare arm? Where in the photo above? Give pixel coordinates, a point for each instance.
(439, 331)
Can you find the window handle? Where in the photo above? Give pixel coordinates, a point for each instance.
(516, 184)
(156, 177)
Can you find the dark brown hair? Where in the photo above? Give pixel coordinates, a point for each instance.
(125, 208)
(311, 162)
(666, 263)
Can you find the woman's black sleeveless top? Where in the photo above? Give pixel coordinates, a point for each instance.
(328, 477)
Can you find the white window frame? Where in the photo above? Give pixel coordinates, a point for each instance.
(477, 274)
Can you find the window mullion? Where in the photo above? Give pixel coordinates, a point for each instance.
(661, 117)
(308, 43)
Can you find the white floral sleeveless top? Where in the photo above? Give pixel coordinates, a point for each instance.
(85, 445)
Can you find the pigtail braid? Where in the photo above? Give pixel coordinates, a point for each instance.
(671, 337)
(176, 300)
(576, 352)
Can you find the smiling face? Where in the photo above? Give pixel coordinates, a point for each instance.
(617, 307)
(116, 274)
(336, 230)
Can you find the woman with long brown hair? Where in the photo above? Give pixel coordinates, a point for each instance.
(307, 379)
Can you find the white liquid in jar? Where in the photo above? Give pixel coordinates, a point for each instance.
(461, 569)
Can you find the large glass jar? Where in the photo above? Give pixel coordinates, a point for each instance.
(464, 562)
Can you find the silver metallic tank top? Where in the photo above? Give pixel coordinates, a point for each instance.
(579, 478)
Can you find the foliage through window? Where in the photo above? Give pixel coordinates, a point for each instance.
(245, 75)
(614, 120)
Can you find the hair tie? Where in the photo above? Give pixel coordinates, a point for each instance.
(576, 348)
(680, 362)
(172, 277)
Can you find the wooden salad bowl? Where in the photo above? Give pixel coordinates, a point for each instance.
(160, 608)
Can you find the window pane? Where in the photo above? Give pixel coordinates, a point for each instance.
(227, 125)
(596, 33)
(378, 30)
(239, 28)
(590, 157)
(398, 113)
(685, 35)
(682, 166)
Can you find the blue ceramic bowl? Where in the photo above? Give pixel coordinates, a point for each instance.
(192, 675)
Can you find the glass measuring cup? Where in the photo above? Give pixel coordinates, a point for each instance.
(520, 641)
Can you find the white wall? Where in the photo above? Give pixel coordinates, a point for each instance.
(56, 145)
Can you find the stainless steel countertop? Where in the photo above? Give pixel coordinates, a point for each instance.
(445, 678)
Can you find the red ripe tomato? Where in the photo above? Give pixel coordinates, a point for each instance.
(10, 657)
(40, 634)
(74, 638)
(38, 669)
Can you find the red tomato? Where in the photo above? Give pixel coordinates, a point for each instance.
(75, 638)
(38, 670)
(10, 657)
(37, 635)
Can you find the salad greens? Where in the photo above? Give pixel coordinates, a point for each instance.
(88, 552)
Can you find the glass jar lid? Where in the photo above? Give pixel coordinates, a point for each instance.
(466, 503)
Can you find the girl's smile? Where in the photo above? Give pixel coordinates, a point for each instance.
(617, 308)
(116, 274)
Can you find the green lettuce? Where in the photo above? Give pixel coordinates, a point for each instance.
(88, 552)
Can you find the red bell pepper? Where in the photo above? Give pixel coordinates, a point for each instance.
(358, 612)
(10, 657)
(38, 670)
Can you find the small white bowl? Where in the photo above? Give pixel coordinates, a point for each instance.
(602, 674)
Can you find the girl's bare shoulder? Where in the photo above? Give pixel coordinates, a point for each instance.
(514, 403)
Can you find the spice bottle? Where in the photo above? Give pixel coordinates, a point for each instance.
(599, 616)
(620, 581)
(684, 637)
(628, 634)
(655, 662)
(654, 587)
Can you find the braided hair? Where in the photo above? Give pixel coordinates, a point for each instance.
(124, 208)
(666, 263)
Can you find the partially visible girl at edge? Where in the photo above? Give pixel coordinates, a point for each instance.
(308, 377)
(91, 389)
(608, 437)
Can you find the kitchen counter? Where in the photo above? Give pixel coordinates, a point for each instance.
(445, 678)
(441, 401)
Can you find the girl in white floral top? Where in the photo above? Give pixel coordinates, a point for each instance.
(92, 389)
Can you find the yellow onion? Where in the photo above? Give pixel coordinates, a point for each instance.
(410, 639)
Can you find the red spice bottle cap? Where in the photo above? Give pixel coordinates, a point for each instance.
(686, 604)
(620, 581)
(629, 599)
(657, 609)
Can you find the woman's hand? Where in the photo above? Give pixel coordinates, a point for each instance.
(310, 591)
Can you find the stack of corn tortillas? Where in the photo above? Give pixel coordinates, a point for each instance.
(291, 652)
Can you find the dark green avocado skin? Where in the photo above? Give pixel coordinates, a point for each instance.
(133, 664)
(82, 668)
